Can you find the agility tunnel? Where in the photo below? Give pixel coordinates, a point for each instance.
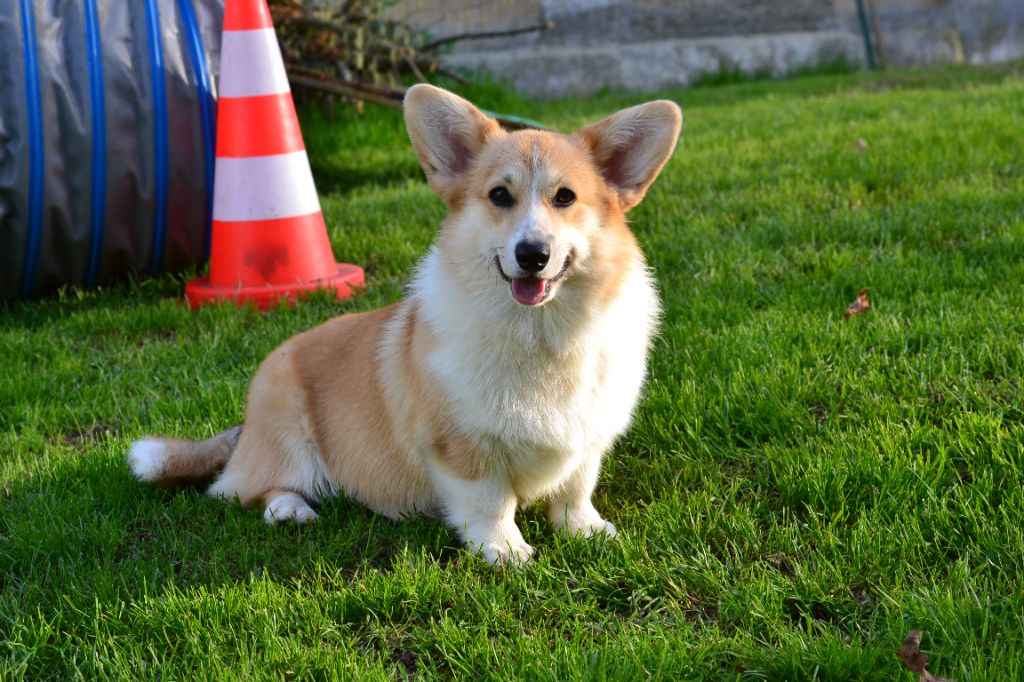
(107, 130)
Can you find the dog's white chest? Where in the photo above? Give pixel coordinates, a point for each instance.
(540, 410)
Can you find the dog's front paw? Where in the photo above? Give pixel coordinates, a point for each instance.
(500, 546)
(601, 526)
(580, 521)
(509, 553)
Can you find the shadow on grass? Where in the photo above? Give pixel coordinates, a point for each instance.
(334, 177)
(85, 529)
(69, 301)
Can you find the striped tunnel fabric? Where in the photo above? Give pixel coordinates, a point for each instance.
(108, 109)
(98, 210)
(35, 145)
(160, 141)
(204, 92)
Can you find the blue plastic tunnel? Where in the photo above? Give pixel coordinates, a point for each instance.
(107, 120)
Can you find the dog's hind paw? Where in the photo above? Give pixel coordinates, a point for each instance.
(288, 507)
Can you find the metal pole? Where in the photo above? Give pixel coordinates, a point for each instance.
(865, 29)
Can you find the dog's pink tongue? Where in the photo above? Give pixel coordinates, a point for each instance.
(528, 290)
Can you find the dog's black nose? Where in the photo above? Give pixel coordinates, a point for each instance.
(532, 256)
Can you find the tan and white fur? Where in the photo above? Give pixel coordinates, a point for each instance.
(504, 376)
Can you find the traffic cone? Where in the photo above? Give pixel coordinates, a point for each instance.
(269, 238)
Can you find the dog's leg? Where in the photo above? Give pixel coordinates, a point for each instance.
(483, 512)
(280, 470)
(571, 510)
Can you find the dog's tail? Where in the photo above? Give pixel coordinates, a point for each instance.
(169, 461)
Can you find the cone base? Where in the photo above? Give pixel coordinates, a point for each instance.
(200, 291)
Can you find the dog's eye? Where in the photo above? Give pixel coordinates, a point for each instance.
(564, 197)
(500, 196)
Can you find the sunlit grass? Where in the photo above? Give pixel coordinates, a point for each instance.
(797, 493)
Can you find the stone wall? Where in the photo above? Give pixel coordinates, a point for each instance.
(651, 44)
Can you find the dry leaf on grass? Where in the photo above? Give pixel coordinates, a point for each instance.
(910, 653)
(859, 306)
(916, 660)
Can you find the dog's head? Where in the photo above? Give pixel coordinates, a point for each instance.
(538, 209)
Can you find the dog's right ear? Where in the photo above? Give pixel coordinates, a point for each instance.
(631, 147)
(447, 132)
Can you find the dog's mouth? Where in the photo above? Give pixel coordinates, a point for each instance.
(531, 291)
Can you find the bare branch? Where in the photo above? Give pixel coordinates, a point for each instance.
(381, 95)
(434, 44)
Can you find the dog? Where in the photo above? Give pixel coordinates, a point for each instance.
(506, 373)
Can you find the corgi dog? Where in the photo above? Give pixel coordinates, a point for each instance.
(505, 374)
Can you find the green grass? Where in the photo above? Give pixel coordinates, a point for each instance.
(797, 493)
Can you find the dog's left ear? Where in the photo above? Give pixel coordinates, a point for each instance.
(631, 147)
(447, 132)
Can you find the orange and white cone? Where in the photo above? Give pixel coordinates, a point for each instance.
(269, 238)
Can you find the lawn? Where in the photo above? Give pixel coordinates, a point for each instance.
(797, 492)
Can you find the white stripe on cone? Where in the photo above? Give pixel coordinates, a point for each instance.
(253, 60)
(264, 187)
